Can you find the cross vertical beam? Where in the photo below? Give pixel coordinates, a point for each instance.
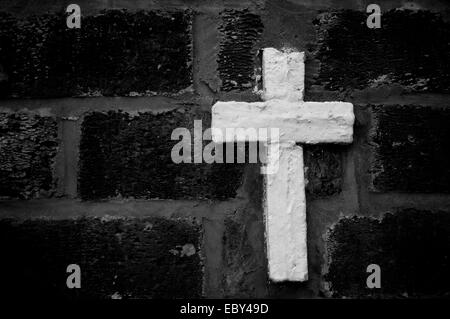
(285, 204)
(285, 215)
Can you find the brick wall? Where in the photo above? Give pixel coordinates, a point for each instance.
(86, 117)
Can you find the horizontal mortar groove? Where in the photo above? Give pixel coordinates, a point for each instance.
(419, 200)
(90, 7)
(373, 96)
(70, 208)
(78, 105)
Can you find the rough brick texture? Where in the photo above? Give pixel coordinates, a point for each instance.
(238, 53)
(28, 146)
(411, 49)
(244, 271)
(411, 247)
(119, 258)
(122, 155)
(411, 146)
(114, 53)
(323, 169)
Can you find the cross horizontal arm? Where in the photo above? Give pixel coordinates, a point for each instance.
(301, 122)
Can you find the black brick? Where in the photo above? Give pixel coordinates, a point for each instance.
(411, 247)
(28, 146)
(324, 169)
(113, 53)
(240, 32)
(410, 48)
(131, 157)
(245, 271)
(411, 147)
(127, 258)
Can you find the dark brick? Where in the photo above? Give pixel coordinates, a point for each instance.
(244, 271)
(28, 146)
(324, 169)
(237, 59)
(411, 247)
(131, 157)
(410, 48)
(411, 147)
(114, 53)
(131, 258)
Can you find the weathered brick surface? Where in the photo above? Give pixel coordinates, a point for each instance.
(411, 49)
(411, 147)
(237, 58)
(28, 146)
(131, 156)
(244, 263)
(113, 53)
(124, 258)
(412, 248)
(324, 169)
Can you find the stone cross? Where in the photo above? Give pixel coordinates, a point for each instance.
(298, 122)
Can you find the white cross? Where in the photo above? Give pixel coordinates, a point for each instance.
(298, 122)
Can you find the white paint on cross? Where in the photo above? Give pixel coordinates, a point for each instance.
(298, 122)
